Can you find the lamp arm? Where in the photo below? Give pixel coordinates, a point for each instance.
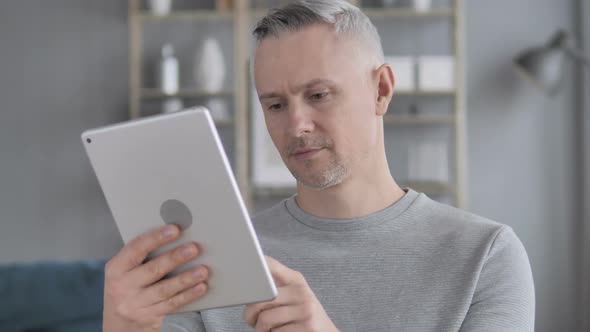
(577, 55)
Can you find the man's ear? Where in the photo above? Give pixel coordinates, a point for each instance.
(385, 84)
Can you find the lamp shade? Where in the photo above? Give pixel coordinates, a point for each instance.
(544, 65)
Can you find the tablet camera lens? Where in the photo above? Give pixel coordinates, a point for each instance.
(88, 140)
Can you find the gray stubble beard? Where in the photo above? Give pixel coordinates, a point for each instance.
(333, 175)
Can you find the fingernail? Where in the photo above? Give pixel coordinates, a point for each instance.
(199, 289)
(198, 274)
(188, 251)
(169, 231)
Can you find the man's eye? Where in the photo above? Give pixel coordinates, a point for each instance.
(319, 95)
(275, 107)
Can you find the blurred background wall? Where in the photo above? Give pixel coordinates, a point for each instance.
(64, 68)
(522, 147)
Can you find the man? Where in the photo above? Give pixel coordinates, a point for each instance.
(351, 251)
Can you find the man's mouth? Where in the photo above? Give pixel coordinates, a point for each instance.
(304, 150)
(305, 153)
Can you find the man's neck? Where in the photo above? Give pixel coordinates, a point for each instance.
(353, 198)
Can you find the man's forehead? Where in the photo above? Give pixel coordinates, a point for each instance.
(298, 68)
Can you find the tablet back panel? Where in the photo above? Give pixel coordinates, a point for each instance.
(172, 167)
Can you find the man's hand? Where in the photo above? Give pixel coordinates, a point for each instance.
(135, 297)
(296, 307)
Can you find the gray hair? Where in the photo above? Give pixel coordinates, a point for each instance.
(345, 17)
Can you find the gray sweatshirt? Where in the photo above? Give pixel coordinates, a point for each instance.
(417, 265)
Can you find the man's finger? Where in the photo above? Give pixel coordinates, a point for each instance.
(167, 288)
(270, 319)
(159, 267)
(286, 296)
(179, 300)
(135, 252)
(281, 274)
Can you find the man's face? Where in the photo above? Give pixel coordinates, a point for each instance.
(318, 99)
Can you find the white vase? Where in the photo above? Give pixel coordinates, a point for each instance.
(210, 67)
(168, 71)
(160, 7)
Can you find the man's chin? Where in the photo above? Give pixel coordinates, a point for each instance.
(317, 183)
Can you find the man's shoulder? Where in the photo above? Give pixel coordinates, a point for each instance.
(460, 236)
(452, 216)
(455, 224)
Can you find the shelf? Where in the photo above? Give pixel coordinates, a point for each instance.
(185, 93)
(418, 119)
(406, 12)
(195, 15)
(424, 93)
(377, 12)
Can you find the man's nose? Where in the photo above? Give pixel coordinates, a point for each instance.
(301, 120)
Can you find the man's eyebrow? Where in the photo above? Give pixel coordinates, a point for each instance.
(269, 95)
(315, 82)
(308, 85)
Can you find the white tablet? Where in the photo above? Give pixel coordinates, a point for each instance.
(172, 169)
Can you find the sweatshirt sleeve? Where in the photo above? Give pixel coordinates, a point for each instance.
(504, 298)
(184, 322)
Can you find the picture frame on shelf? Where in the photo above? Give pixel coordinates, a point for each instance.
(268, 169)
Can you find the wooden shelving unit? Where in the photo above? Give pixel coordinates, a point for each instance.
(385, 13)
(401, 120)
(407, 13)
(458, 41)
(183, 93)
(242, 16)
(429, 93)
